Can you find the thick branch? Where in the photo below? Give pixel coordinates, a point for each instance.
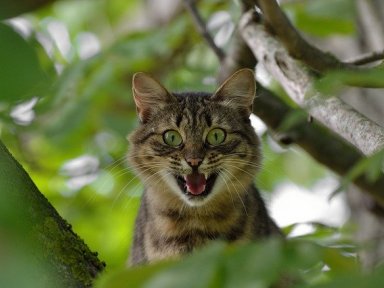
(11, 8)
(367, 136)
(36, 224)
(323, 145)
(294, 42)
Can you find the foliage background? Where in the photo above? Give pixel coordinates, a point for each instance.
(66, 109)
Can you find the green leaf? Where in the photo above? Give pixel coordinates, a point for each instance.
(333, 81)
(292, 119)
(259, 265)
(317, 18)
(371, 167)
(355, 280)
(171, 274)
(21, 75)
(339, 262)
(135, 277)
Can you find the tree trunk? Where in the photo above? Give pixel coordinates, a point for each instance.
(54, 254)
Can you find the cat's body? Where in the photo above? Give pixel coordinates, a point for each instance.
(197, 155)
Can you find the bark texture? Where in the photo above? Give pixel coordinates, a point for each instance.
(10, 8)
(363, 133)
(27, 216)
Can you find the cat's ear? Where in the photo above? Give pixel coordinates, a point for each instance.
(238, 90)
(149, 95)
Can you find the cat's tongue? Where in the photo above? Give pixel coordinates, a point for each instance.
(195, 183)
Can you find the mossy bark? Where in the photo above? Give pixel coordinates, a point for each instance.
(56, 256)
(11, 8)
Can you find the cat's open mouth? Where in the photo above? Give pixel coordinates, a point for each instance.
(195, 184)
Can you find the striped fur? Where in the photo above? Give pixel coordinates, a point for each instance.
(171, 223)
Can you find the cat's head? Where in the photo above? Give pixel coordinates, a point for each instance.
(195, 146)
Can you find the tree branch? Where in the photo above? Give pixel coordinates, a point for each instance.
(54, 244)
(323, 145)
(367, 58)
(297, 47)
(364, 134)
(202, 28)
(278, 23)
(11, 8)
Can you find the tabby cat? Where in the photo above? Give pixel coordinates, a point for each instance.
(197, 155)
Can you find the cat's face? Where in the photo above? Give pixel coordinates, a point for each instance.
(195, 146)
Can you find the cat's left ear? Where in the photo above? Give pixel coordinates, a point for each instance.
(238, 90)
(149, 95)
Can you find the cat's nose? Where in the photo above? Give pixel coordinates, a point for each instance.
(194, 162)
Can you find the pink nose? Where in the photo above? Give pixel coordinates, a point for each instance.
(194, 162)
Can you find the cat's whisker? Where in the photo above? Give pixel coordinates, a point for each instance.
(237, 192)
(265, 170)
(121, 191)
(250, 159)
(122, 173)
(228, 190)
(127, 184)
(246, 162)
(147, 179)
(115, 163)
(133, 190)
(249, 154)
(240, 169)
(109, 168)
(158, 180)
(235, 177)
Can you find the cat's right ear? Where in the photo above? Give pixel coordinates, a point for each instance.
(149, 95)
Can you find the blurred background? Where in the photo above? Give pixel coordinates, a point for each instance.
(66, 107)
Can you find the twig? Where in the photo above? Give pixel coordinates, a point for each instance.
(297, 47)
(202, 28)
(367, 58)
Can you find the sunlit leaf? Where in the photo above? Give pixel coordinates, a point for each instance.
(316, 17)
(21, 76)
(355, 280)
(333, 81)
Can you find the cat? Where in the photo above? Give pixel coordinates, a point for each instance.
(197, 155)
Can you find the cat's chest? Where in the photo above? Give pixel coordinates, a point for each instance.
(195, 230)
(166, 238)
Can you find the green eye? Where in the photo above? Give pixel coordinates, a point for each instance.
(216, 136)
(172, 138)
